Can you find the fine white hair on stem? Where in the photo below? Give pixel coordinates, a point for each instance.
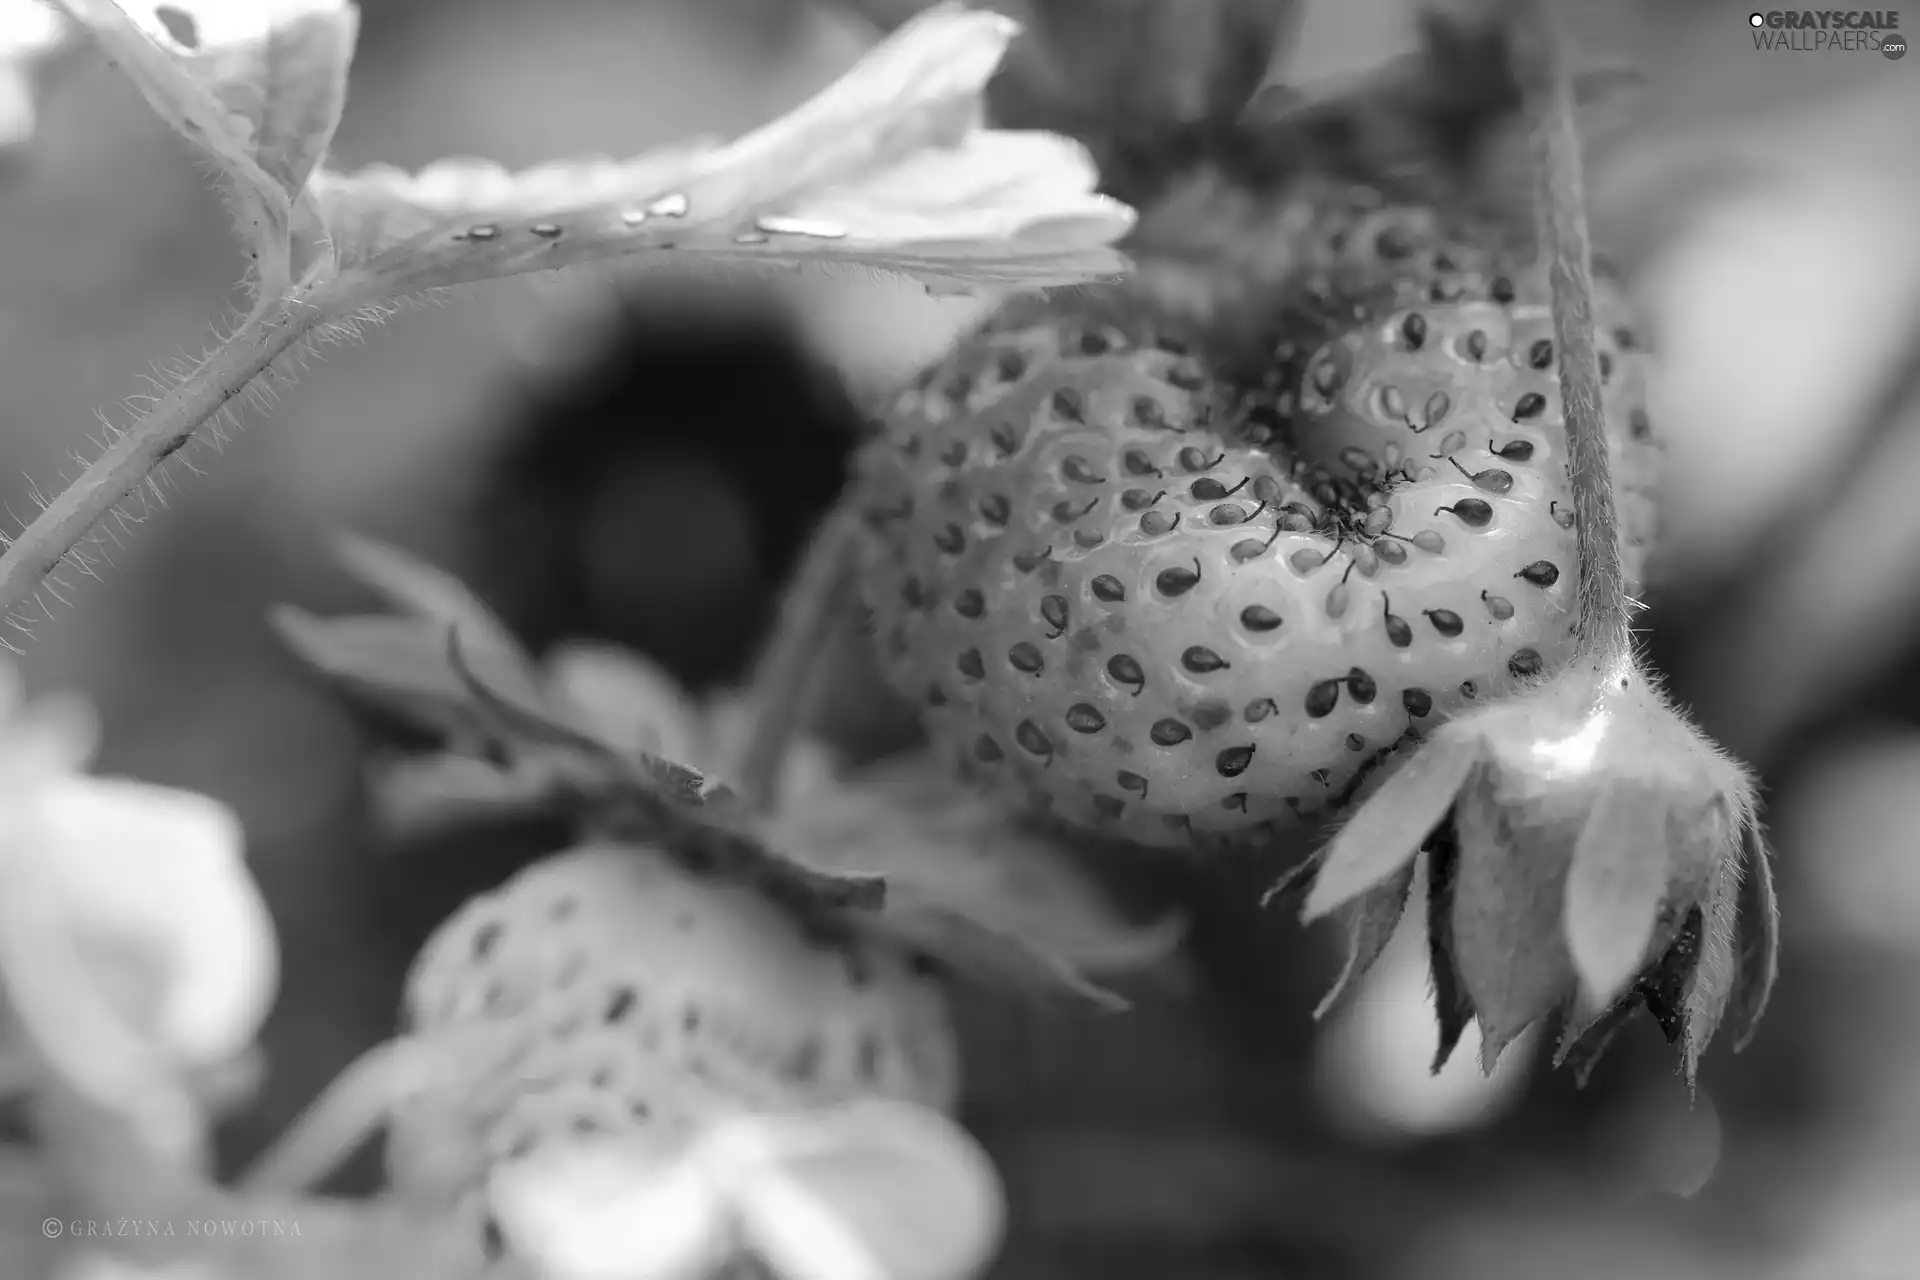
(893, 160)
(1560, 205)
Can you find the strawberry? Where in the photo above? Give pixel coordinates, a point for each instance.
(691, 965)
(622, 992)
(1180, 573)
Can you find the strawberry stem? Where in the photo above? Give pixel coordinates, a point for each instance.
(173, 421)
(1560, 204)
(784, 682)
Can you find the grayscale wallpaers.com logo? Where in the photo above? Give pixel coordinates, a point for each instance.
(1823, 30)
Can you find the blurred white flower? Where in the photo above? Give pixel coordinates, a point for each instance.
(874, 1190)
(29, 30)
(135, 950)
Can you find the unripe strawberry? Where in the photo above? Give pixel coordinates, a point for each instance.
(623, 991)
(1183, 576)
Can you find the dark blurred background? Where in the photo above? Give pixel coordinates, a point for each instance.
(640, 464)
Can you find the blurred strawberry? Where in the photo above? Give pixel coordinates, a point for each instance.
(688, 961)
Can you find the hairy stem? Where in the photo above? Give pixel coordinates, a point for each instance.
(1560, 201)
(162, 431)
(785, 679)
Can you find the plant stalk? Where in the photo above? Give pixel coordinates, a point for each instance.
(1560, 202)
(173, 421)
(785, 681)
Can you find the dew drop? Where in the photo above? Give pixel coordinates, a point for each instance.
(812, 228)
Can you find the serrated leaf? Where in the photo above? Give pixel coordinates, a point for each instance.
(626, 701)
(1758, 933)
(400, 665)
(518, 724)
(887, 168)
(1615, 887)
(1711, 984)
(1387, 830)
(258, 87)
(1507, 943)
(426, 592)
(967, 881)
(1133, 66)
(1370, 920)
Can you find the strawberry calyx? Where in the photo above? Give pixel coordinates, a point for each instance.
(606, 740)
(446, 665)
(1589, 852)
